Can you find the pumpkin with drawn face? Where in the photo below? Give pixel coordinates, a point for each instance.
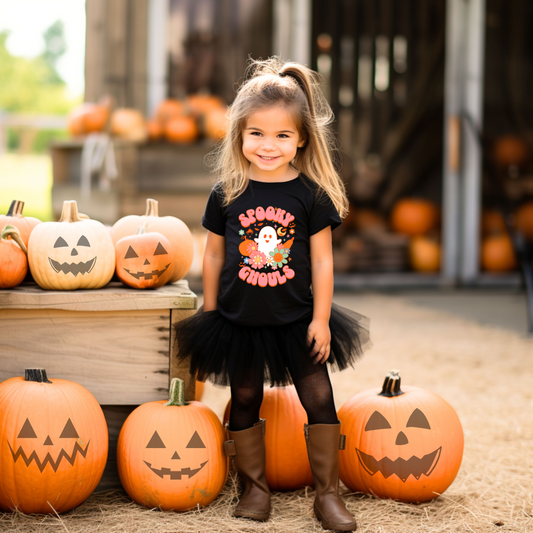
(401, 444)
(170, 454)
(144, 260)
(74, 253)
(53, 443)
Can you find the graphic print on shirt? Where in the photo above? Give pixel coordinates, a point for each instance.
(267, 236)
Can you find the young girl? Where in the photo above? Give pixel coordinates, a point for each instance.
(269, 220)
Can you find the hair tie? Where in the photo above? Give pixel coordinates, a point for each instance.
(282, 74)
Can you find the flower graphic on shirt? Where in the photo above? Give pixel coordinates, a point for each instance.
(251, 247)
(257, 259)
(241, 232)
(279, 256)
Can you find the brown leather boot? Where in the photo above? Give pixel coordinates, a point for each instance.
(248, 449)
(323, 443)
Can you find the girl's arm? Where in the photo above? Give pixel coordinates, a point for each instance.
(214, 257)
(322, 283)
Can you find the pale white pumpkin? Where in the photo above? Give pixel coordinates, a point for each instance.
(74, 253)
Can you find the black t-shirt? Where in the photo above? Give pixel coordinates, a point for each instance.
(266, 277)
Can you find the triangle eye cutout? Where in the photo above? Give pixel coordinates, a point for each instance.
(377, 421)
(27, 431)
(418, 420)
(83, 241)
(196, 441)
(69, 431)
(155, 441)
(160, 250)
(130, 254)
(60, 243)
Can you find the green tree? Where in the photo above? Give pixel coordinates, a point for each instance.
(32, 85)
(54, 47)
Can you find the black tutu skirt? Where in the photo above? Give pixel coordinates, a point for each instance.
(221, 351)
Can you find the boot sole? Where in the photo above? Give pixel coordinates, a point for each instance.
(260, 517)
(334, 527)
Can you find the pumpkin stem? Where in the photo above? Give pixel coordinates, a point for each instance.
(36, 374)
(391, 385)
(176, 393)
(142, 229)
(70, 212)
(13, 232)
(15, 208)
(152, 208)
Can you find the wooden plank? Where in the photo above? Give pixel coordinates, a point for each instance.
(121, 357)
(95, 49)
(137, 54)
(113, 297)
(180, 369)
(115, 64)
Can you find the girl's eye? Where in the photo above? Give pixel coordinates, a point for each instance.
(283, 136)
(255, 133)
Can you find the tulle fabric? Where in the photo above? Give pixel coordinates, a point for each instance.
(221, 350)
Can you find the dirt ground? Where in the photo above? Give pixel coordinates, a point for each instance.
(485, 372)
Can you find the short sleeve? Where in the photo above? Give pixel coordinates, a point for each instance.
(213, 219)
(323, 214)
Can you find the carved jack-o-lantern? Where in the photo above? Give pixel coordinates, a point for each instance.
(74, 253)
(170, 454)
(401, 444)
(53, 443)
(144, 260)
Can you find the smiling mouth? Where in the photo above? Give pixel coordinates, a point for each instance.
(415, 466)
(73, 268)
(175, 474)
(265, 158)
(147, 275)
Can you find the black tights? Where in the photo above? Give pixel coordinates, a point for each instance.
(313, 388)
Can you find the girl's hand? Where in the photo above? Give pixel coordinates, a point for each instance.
(318, 332)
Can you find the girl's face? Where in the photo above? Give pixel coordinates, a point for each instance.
(270, 141)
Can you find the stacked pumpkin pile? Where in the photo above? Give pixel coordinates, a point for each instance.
(368, 242)
(176, 121)
(76, 252)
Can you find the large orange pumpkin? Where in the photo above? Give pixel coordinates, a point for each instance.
(414, 216)
(175, 230)
(14, 217)
(171, 454)
(53, 443)
(144, 260)
(497, 253)
(13, 258)
(216, 123)
(201, 104)
(74, 253)
(182, 130)
(524, 220)
(401, 444)
(287, 465)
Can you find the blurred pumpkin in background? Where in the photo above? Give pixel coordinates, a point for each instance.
(14, 217)
(167, 110)
(414, 216)
(497, 253)
(182, 130)
(510, 150)
(129, 124)
(424, 253)
(89, 117)
(524, 220)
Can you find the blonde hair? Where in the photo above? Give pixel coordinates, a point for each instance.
(267, 83)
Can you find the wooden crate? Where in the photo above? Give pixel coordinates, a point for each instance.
(117, 342)
(174, 175)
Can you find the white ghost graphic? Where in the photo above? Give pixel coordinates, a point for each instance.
(267, 240)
